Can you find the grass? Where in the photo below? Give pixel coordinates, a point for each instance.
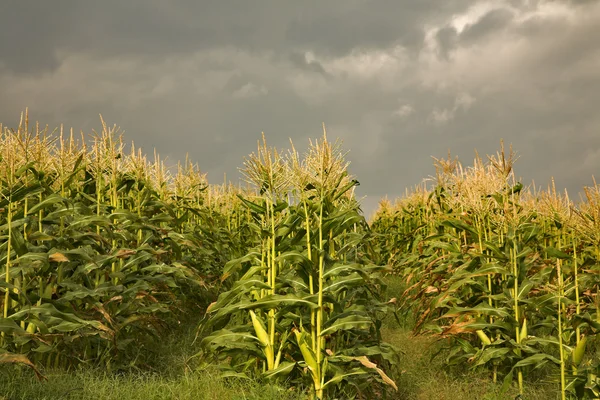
(424, 378)
(91, 384)
(424, 374)
(174, 376)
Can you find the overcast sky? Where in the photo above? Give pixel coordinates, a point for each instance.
(399, 81)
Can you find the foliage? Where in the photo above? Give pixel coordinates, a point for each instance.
(304, 303)
(510, 277)
(102, 252)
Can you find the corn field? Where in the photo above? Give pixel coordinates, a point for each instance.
(506, 276)
(104, 252)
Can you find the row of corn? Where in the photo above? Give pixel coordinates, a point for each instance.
(303, 306)
(101, 251)
(509, 275)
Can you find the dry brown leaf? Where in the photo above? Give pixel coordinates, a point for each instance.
(431, 289)
(210, 306)
(115, 298)
(10, 358)
(369, 364)
(457, 327)
(58, 257)
(124, 253)
(106, 316)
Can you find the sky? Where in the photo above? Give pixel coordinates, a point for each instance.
(398, 81)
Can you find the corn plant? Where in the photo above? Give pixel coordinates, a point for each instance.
(303, 302)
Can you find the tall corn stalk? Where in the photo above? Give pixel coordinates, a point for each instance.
(302, 284)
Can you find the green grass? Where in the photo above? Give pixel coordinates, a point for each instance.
(174, 375)
(91, 384)
(425, 377)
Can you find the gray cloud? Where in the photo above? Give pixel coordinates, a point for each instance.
(398, 81)
(491, 23)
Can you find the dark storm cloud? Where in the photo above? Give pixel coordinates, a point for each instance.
(338, 28)
(36, 34)
(398, 81)
(30, 35)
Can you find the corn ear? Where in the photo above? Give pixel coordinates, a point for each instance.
(309, 359)
(483, 337)
(579, 351)
(263, 337)
(261, 333)
(282, 343)
(48, 292)
(31, 328)
(523, 334)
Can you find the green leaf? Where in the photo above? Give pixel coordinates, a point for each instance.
(273, 301)
(460, 226)
(66, 326)
(491, 353)
(345, 282)
(340, 376)
(506, 383)
(345, 188)
(555, 253)
(47, 202)
(480, 309)
(15, 224)
(10, 327)
(347, 323)
(228, 338)
(536, 359)
(233, 374)
(295, 257)
(284, 369)
(253, 206)
(233, 265)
